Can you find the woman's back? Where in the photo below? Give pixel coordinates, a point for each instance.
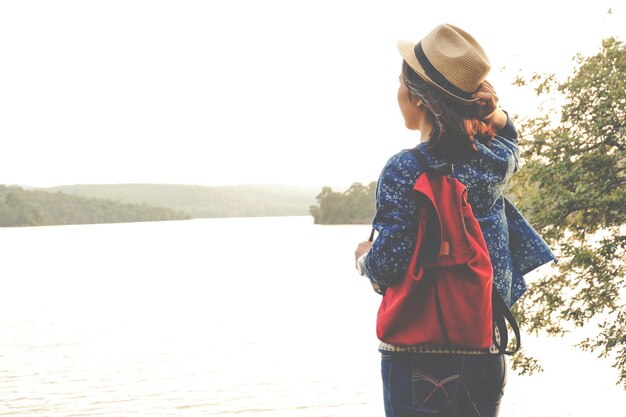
(443, 94)
(513, 245)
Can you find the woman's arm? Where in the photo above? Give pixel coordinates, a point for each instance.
(395, 220)
(487, 108)
(498, 119)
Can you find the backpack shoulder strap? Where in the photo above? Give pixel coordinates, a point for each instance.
(439, 169)
(501, 315)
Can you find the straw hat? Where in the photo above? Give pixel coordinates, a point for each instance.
(450, 59)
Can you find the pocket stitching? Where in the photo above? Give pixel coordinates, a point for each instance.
(437, 384)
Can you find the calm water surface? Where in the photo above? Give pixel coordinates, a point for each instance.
(218, 317)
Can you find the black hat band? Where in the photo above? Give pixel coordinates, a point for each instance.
(437, 77)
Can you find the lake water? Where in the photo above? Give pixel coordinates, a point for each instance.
(220, 317)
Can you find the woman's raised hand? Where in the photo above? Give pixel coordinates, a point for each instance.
(487, 101)
(487, 105)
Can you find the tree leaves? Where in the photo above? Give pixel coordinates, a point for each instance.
(573, 189)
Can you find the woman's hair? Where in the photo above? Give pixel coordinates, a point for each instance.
(455, 127)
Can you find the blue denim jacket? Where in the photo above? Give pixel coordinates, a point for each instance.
(514, 246)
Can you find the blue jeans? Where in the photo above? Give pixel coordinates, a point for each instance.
(426, 384)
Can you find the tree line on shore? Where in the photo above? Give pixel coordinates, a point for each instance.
(19, 207)
(200, 201)
(113, 203)
(356, 205)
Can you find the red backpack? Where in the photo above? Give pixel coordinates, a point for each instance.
(447, 296)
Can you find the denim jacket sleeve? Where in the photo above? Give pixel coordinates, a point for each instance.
(507, 136)
(395, 220)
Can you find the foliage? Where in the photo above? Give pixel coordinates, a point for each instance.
(573, 189)
(356, 205)
(19, 207)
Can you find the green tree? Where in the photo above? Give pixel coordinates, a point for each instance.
(331, 207)
(353, 206)
(573, 188)
(360, 203)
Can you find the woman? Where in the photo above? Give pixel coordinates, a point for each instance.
(443, 94)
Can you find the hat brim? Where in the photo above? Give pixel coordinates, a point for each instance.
(407, 50)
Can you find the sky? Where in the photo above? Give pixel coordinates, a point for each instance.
(246, 91)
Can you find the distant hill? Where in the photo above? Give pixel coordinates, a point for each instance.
(203, 201)
(19, 207)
